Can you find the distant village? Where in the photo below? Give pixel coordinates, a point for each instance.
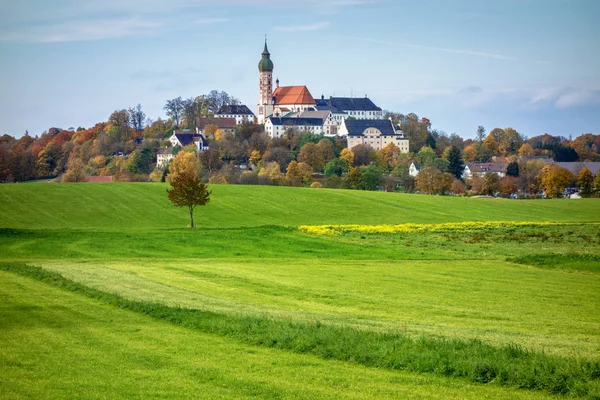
(295, 139)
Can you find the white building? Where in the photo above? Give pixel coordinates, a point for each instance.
(240, 113)
(330, 125)
(376, 133)
(276, 127)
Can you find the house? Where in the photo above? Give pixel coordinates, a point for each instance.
(164, 156)
(376, 133)
(185, 138)
(577, 166)
(359, 108)
(226, 125)
(241, 113)
(480, 169)
(414, 169)
(330, 126)
(276, 127)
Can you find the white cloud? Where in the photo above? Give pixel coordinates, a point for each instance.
(302, 28)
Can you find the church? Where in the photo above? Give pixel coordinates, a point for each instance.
(294, 107)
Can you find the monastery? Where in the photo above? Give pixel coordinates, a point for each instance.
(294, 107)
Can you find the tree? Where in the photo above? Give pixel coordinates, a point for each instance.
(137, 118)
(390, 156)
(512, 169)
(174, 109)
(456, 166)
(119, 124)
(585, 182)
(337, 166)
(364, 155)
(298, 173)
(480, 133)
(310, 154)
(429, 180)
(186, 188)
(526, 150)
(458, 188)
(426, 156)
(348, 156)
(597, 184)
(555, 180)
(491, 183)
(508, 185)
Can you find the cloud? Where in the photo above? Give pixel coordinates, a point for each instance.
(302, 28)
(565, 98)
(82, 30)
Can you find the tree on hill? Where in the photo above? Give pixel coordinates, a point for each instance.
(186, 188)
(491, 183)
(174, 109)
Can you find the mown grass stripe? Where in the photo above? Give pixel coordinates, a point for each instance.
(475, 360)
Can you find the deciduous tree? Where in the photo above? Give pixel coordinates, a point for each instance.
(429, 180)
(585, 182)
(555, 180)
(187, 190)
(491, 183)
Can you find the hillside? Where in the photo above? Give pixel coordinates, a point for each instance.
(123, 206)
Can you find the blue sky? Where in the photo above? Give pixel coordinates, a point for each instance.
(533, 65)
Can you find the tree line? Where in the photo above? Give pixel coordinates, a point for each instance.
(125, 147)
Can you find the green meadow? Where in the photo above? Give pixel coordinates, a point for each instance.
(106, 294)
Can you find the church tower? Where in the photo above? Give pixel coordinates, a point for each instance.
(265, 71)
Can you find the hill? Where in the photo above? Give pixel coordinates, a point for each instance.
(125, 206)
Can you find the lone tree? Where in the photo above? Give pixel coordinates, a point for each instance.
(186, 188)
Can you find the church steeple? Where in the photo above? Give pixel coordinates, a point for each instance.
(265, 64)
(265, 71)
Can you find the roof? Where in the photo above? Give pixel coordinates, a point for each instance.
(189, 138)
(293, 95)
(201, 122)
(265, 63)
(296, 121)
(333, 109)
(165, 150)
(235, 110)
(315, 114)
(498, 167)
(356, 127)
(577, 166)
(349, 103)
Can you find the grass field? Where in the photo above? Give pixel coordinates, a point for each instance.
(534, 286)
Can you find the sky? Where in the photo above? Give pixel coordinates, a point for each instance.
(533, 65)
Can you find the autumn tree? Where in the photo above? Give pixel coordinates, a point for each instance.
(187, 190)
(597, 184)
(271, 173)
(491, 183)
(555, 179)
(298, 173)
(508, 185)
(310, 154)
(364, 155)
(429, 180)
(348, 156)
(390, 156)
(458, 188)
(526, 150)
(585, 182)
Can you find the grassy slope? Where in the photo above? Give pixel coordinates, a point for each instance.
(58, 345)
(121, 206)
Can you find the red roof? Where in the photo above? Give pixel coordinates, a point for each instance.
(219, 122)
(293, 95)
(96, 179)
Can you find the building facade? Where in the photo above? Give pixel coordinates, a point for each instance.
(376, 133)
